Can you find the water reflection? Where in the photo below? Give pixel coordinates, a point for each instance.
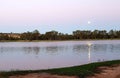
(55, 54)
(100, 47)
(56, 49)
(80, 48)
(29, 50)
(89, 51)
(84, 48)
(52, 50)
(98, 52)
(36, 50)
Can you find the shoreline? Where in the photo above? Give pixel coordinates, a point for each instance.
(53, 40)
(81, 71)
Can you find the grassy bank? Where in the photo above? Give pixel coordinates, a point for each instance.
(81, 71)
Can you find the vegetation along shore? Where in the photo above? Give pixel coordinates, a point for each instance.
(55, 35)
(82, 71)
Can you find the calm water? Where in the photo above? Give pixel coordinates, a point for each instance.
(45, 55)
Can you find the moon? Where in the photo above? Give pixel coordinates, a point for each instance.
(89, 22)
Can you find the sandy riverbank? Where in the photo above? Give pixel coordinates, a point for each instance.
(107, 72)
(42, 75)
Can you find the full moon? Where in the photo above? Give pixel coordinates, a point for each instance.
(89, 22)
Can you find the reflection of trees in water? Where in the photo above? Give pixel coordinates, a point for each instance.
(83, 49)
(111, 47)
(117, 47)
(80, 48)
(114, 47)
(9, 49)
(1, 50)
(34, 50)
(100, 47)
(58, 49)
(96, 48)
(55, 49)
(51, 49)
(28, 50)
(106, 47)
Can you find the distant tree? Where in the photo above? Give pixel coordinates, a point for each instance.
(77, 34)
(118, 34)
(26, 36)
(112, 34)
(55, 35)
(4, 36)
(35, 35)
(30, 35)
(51, 35)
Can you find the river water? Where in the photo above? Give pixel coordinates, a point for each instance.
(55, 54)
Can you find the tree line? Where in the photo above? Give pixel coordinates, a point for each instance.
(55, 35)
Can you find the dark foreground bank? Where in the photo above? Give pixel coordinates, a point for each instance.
(79, 71)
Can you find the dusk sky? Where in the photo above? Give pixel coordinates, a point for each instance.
(60, 15)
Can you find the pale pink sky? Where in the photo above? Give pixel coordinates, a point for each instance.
(46, 15)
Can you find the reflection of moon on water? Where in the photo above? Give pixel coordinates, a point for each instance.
(89, 44)
(89, 51)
